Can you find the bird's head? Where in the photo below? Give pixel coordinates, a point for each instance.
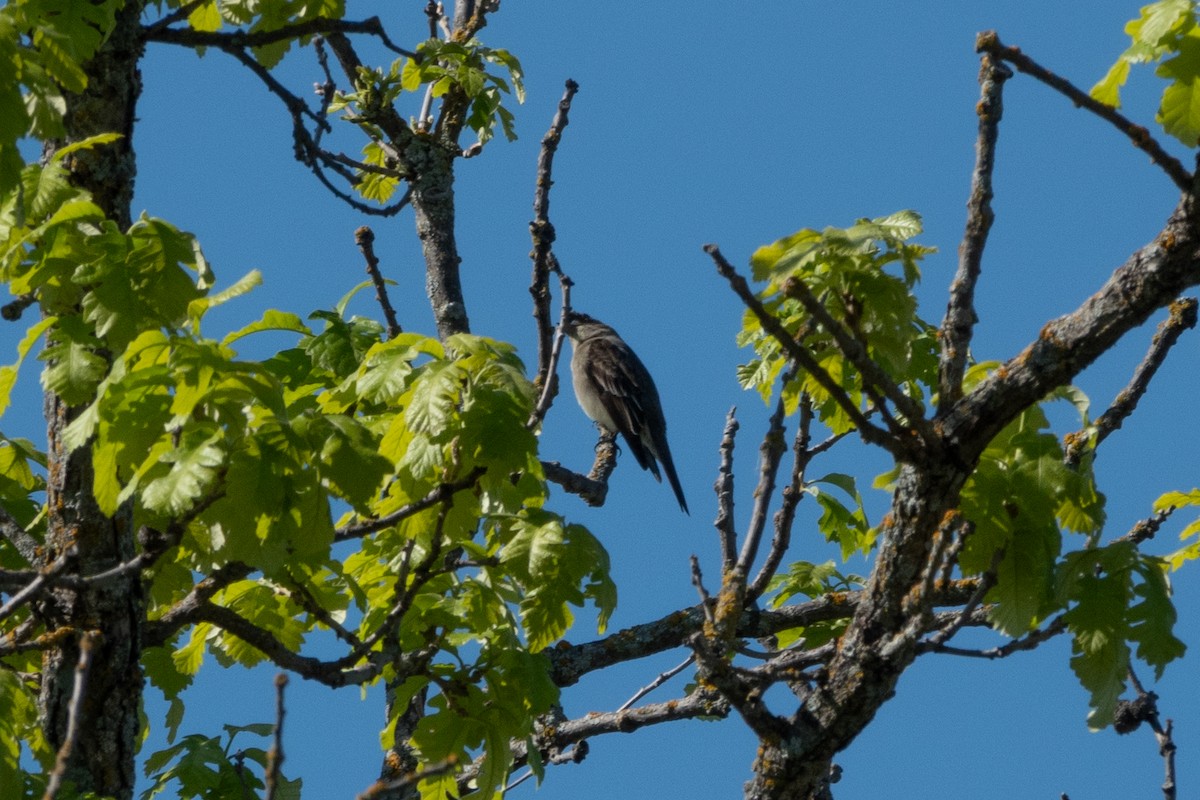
(580, 326)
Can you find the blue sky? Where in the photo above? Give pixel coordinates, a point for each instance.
(734, 124)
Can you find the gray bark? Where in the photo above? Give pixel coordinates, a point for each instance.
(102, 759)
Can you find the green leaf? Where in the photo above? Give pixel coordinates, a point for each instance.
(8, 374)
(74, 368)
(1153, 34)
(271, 320)
(90, 143)
(1179, 112)
(194, 464)
(1152, 620)
(206, 17)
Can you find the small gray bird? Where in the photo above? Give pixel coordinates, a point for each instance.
(616, 391)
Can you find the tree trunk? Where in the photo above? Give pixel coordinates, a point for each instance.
(102, 759)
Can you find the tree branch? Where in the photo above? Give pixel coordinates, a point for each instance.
(364, 237)
(239, 39)
(799, 355)
(157, 632)
(570, 662)
(74, 713)
(542, 232)
(725, 524)
(960, 318)
(989, 42)
(324, 672)
(591, 491)
(275, 754)
(25, 544)
(793, 493)
(875, 379)
(1182, 317)
(443, 492)
(1150, 279)
(700, 703)
(770, 454)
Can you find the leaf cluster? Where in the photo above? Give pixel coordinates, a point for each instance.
(43, 46)
(1165, 33)
(846, 269)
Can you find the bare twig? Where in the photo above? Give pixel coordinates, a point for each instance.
(869, 432)
(243, 39)
(1131, 714)
(364, 237)
(542, 232)
(404, 781)
(25, 544)
(591, 491)
(657, 682)
(74, 711)
(42, 580)
(874, 378)
(1182, 317)
(724, 488)
(989, 42)
(792, 494)
(1054, 628)
(549, 378)
(700, 703)
(698, 582)
(986, 582)
(960, 316)
(770, 453)
(13, 309)
(1145, 529)
(275, 754)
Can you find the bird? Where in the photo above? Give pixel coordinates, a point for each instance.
(615, 390)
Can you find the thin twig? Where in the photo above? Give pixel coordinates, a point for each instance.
(870, 433)
(1145, 529)
(988, 41)
(1182, 317)
(793, 493)
(698, 582)
(986, 582)
(960, 316)
(443, 491)
(873, 376)
(542, 232)
(44, 578)
(13, 309)
(549, 378)
(275, 754)
(592, 492)
(241, 39)
(657, 682)
(405, 781)
(74, 713)
(1131, 714)
(364, 237)
(18, 537)
(1057, 626)
(725, 499)
(770, 454)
